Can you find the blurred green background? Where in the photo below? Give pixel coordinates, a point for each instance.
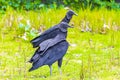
(77, 4)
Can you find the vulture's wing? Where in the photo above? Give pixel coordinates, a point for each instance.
(51, 42)
(44, 46)
(50, 33)
(35, 56)
(51, 55)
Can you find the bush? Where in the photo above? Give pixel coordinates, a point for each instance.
(77, 4)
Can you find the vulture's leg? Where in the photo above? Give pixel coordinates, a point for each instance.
(59, 65)
(50, 66)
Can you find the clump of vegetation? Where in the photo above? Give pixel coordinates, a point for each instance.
(53, 4)
(95, 21)
(93, 52)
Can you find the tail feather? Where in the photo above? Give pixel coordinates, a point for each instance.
(35, 65)
(31, 69)
(30, 61)
(35, 42)
(35, 57)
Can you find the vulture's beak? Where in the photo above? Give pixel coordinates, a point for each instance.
(75, 14)
(71, 26)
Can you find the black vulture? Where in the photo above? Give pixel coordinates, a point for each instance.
(51, 50)
(52, 32)
(52, 45)
(51, 55)
(43, 46)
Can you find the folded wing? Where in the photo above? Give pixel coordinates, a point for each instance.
(45, 45)
(50, 33)
(51, 55)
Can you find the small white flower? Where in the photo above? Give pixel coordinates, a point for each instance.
(20, 18)
(24, 36)
(106, 26)
(73, 45)
(67, 8)
(28, 22)
(77, 55)
(77, 61)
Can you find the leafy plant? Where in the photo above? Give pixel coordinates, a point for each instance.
(38, 4)
(26, 32)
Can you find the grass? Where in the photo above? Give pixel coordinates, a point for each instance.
(94, 52)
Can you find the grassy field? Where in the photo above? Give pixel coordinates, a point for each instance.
(94, 52)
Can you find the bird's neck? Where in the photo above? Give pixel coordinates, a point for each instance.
(65, 19)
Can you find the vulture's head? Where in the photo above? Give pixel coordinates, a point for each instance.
(64, 26)
(68, 16)
(70, 13)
